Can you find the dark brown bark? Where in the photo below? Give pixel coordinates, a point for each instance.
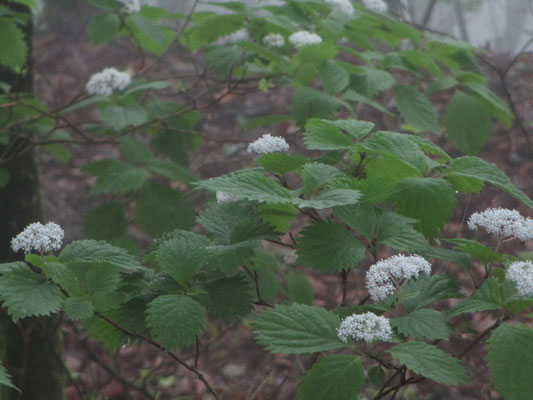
(32, 349)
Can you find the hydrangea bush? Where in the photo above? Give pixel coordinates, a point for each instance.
(370, 199)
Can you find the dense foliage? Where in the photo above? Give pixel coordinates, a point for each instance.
(363, 192)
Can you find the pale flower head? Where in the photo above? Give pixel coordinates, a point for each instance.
(521, 274)
(274, 40)
(344, 6)
(104, 82)
(385, 276)
(268, 144)
(375, 5)
(224, 198)
(130, 6)
(368, 327)
(503, 223)
(38, 237)
(304, 38)
(239, 36)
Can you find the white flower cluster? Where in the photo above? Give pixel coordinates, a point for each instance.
(38, 237)
(104, 82)
(344, 6)
(131, 6)
(223, 198)
(503, 223)
(367, 327)
(274, 40)
(375, 5)
(304, 38)
(268, 144)
(382, 276)
(521, 274)
(239, 36)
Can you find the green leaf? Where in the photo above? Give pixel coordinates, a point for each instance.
(333, 377)
(105, 222)
(27, 294)
(172, 211)
(423, 323)
(104, 332)
(510, 358)
(115, 176)
(426, 290)
(103, 28)
(430, 362)
(361, 217)
(328, 247)
(334, 77)
(429, 200)
(376, 376)
(182, 256)
(78, 308)
(352, 95)
(90, 252)
(317, 175)
(357, 129)
(280, 163)
(213, 27)
(308, 103)
(321, 135)
(483, 253)
(377, 80)
(488, 297)
(175, 320)
(476, 168)
(14, 48)
(229, 298)
(297, 328)
(4, 177)
(299, 289)
(5, 378)
(498, 108)
(149, 29)
(402, 237)
(170, 170)
(416, 108)
(118, 117)
(224, 59)
(468, 123)
(445, 82)
(135, 150)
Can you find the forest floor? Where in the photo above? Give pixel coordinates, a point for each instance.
(234, 363)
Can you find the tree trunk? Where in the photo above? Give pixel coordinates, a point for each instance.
(32, 349)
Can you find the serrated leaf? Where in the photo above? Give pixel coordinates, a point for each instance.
(488, 297)
(104, 332)
(105, 222)
(103, 28)
(223, 59)
(321, 135)
(352, 95)
(120, 117)
(334, 77)
(135, 150)
(170, 170)
(402, 237)
(213, 27)
(173, 210)
(416, 108)
(357, 129)
(13, 45)
(510, 358)
(316, 175)
(376, 375)
(308, 103)
(25, 293)
(483, 253)
(148, 28)
(115, 176)
(423, 323)
(5, 378)
(280, 163)
(333, 377)
(377, 80)
(90, 252)
(175, 320)
(467, 122)
(430, 200)
(229, 298)
(182, 255)
(298, 329)
(498, 108)
(426, 290)
(299, 289)
(476, 168)
(361, 217)
(328, 247)
(221, 219)
(430, 362)
(78, 308)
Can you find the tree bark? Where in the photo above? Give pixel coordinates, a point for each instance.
(32, 347)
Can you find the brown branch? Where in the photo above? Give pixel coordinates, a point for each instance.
(255, 277)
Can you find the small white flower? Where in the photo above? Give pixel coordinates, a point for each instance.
(268, 144)
(503, 223)
(130, 6)
(223, 198)
(344, 6)
(383, 277)
(521, 274)
(367, 327)
(290, 257)
(239, 36)
(38, 237)
(375, 5)
(304, 38)
(104, 82)
(274, 40)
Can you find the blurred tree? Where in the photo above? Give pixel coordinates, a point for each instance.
(31, 346)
